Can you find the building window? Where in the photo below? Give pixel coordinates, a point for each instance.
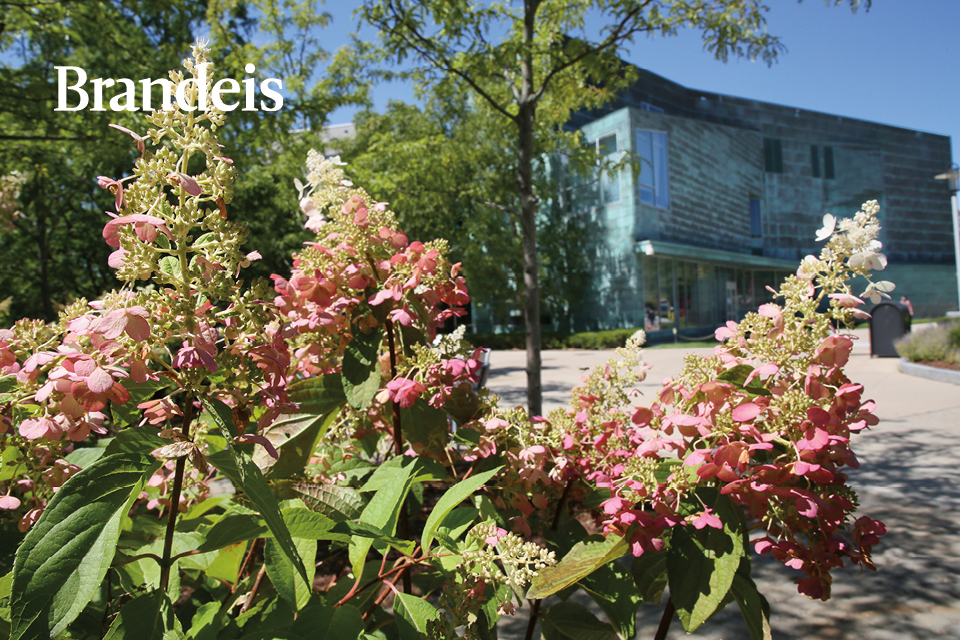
(609, 182)
(828, 163)
(772, 156)
(646, 106)
(756, 228)
(652, 182)
(815, 161)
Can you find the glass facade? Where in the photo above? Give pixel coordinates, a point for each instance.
(685, 294)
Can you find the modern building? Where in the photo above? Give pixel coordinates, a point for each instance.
(728, 198)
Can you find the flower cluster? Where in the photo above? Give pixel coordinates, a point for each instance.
(168, 224)
(360, 260)
(767, 419)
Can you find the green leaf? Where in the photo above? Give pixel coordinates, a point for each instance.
(320, 620)
(736, 375)
(66, 554)
(128, 414)
(361, 368)
(83, 457)
(459, 520)
(304, 523)
(450, 499)
(382, 512)
(295, 436)
(585, 558)
(233, 528)
(170, 265)
(12, 463)
(569, 620)
(280, 571)
(753, 606)
(251, 481)
(386, 473)
(650, 575)
(206, 622)
(701, 564)
(8, 384)
(351, 530)
(413, 616)
(146, 617)
(613, 589)
(424, 425)
(319, 395)
(226, 463)
(336, 502)
(136, 440)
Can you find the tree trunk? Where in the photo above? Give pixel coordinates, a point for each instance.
(43, 257)
(526, 119)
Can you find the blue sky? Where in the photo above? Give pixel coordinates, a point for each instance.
(897, 64)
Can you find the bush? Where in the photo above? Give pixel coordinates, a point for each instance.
(942, 343)
(609, 339)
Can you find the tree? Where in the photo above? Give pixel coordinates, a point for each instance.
(542, 67)
(446, 168)
(51, 250)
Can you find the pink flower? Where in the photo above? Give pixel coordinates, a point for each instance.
(707, 519)
(115, 187)
(136, 137)
(29, 519)
(192, 358)
(746, 412)
(405, 391)
(9, 502)
(43, 427)
(404, 316)
(130, 320)
(253, 438)
(186, 182)
(146, 228)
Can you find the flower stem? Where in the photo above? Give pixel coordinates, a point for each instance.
(404, 522)
(665, 620)
(165, 561)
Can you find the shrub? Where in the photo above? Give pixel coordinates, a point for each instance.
(939, 344)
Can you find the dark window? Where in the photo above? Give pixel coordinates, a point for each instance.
(772, 155)
(755, 227)
(828, 163)
(815, 160)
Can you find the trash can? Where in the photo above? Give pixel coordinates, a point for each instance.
(889, 321)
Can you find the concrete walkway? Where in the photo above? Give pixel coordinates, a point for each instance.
(909, 479)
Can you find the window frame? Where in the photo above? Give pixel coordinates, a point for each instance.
(660, 170)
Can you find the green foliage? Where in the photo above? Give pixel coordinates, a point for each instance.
(146, 617)
(414, 616)
(251, 481)
(65, 556)
(585, 558)
(452, 498)
(361, 369)
(702, 563)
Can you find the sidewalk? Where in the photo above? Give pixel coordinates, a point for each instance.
(909, 479)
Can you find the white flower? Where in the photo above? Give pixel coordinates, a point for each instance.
(876, 291)
(829, 224)
(869, 260)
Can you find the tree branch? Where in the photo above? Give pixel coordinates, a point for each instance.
(429, 52)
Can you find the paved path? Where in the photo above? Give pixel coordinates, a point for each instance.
(909, 479)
